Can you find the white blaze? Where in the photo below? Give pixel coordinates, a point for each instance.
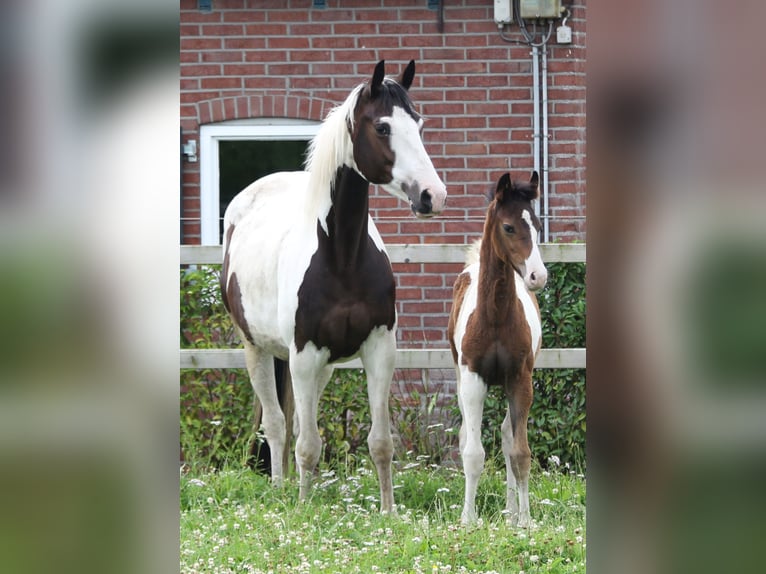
(412, 162)
(535, 274)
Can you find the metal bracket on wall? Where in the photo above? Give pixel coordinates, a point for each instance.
(190, 151)
(205, 5)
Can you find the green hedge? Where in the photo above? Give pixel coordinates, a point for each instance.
(216, 405)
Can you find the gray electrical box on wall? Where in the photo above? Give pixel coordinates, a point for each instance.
(503, 11)
(540, 8)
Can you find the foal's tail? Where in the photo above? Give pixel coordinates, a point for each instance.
(472, 253)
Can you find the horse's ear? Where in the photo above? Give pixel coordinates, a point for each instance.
(534, 180)
(377, 78)
(503, 187)
(407, 75)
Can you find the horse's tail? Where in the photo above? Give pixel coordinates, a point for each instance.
(472, 253)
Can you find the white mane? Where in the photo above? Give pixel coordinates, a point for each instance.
(330, 149)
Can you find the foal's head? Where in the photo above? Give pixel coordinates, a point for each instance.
(514, 227)
(388, 149)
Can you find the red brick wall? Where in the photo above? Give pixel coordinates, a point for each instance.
(284, 58)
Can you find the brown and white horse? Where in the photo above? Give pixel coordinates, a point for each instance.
(306, 277)
(494, 332)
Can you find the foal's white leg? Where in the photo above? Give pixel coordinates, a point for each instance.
(471, 392)
(307, 369)
(260, 367)
(378, 356)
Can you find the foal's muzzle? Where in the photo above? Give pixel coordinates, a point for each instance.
(536, 280)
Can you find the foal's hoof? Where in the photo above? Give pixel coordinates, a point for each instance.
(468, 519)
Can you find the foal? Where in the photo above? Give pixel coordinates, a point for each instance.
(494, 332)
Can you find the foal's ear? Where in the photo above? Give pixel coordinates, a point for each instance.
(407, 75)
(377, 78)
(503, 187)
(534, 180)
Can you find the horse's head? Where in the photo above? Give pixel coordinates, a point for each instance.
(388, 149)
(514, 237)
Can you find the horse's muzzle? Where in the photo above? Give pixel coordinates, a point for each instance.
(422, 202)
(536, 280)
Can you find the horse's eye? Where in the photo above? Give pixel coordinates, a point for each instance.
(383, 129)
(508, 228)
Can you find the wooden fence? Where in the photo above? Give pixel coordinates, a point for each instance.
(573, 358)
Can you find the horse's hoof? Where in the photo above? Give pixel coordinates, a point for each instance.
(524, 521)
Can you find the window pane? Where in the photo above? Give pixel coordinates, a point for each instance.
(242, 162)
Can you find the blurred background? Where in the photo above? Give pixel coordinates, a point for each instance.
(89, 183)
(89, 179)
(676, 287)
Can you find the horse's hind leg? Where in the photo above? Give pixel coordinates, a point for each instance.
(518, 457)
(378, 356)
(260, 367)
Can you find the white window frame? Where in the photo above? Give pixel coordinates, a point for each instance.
(241, 130)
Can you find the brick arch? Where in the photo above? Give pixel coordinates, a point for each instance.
(264, 105)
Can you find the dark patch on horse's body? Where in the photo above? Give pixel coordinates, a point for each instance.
(237, 311)
(498, 356)
(223, 278)
(230, 292)
(348, 289)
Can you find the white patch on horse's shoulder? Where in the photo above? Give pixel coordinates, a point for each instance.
(373, 232)
(530, 312)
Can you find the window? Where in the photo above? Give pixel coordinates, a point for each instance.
(236, 153)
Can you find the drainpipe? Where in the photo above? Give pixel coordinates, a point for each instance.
(546, 219)
(536, 116)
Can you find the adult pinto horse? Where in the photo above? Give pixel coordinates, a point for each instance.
(306, 277)
(494, 333)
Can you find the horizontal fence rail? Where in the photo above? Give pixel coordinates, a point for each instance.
(405, 358)
(405, 253)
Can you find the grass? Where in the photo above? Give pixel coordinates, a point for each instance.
(235, 521)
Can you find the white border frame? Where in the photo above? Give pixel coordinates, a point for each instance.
(210, 135)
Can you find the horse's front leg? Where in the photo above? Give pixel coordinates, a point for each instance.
(471, 392)
(310, 373)
(512, 489)
(516, 448)
(378, 354)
